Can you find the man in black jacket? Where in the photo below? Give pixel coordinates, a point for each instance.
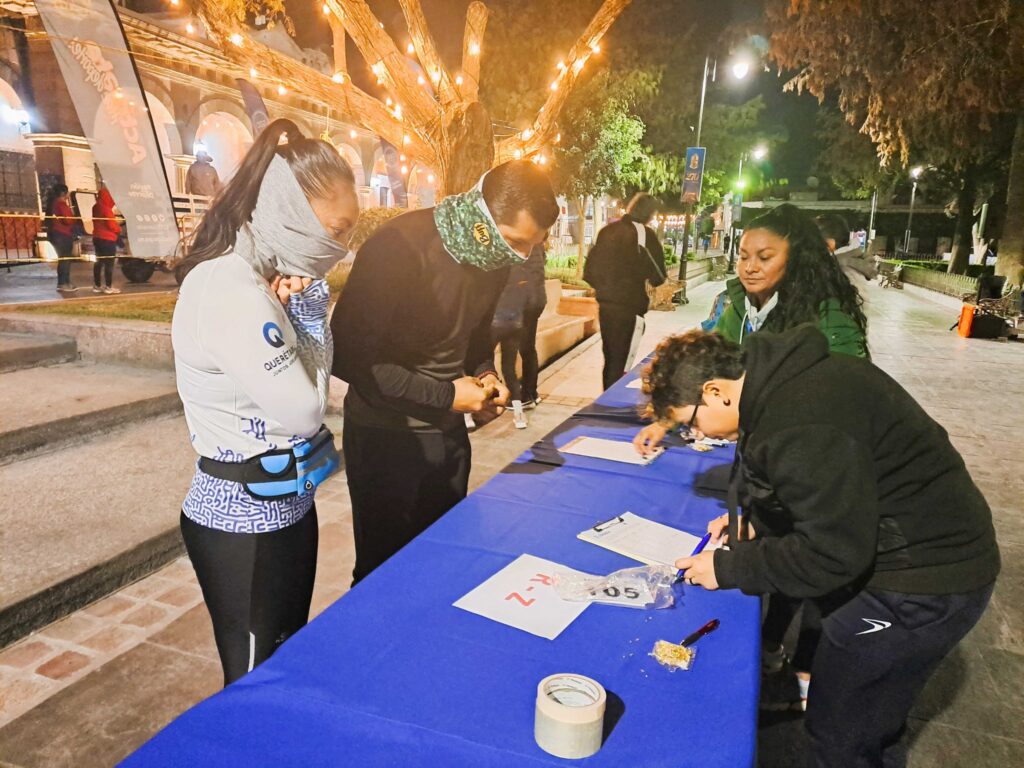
(412, 334)
(626, 255)
(855, 497)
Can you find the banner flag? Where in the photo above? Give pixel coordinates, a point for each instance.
(90, 46)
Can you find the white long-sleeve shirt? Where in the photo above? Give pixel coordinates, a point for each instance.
(253, 377)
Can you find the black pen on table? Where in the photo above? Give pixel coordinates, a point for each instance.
(696, 551)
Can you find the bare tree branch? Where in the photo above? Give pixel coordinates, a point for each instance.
(426, 51)
(472, 48)
(586, 46)
(388, 63)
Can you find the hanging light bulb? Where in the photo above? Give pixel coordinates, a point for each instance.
(401, 158)
(327, 10)
(430, 179)
(252, 72)
(474, 48)
(190, 29)
(236, 39)
(338, 77)
(458, 79)
(578, 65)
(281, 90)
(554, 85)
(388, 101)
(398, 111)
(518, 154)
(352, 134)
(405, 169)
(420, 80)
(561, 66)
(527, 134)
(558, 139)
(406, 140)
(595, 48)
(175, 2)
(410, 49)
(436, 76)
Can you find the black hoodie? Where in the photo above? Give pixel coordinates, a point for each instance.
(848, 482)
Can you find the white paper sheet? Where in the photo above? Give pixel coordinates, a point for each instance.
(611, 450)
(637, 383)
(645, 540)
(521, 595)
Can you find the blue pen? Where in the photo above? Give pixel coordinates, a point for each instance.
(696, 551)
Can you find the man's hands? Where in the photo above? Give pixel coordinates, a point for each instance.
(284, 286)
(719, 530)
(486, 396)
(647, 439)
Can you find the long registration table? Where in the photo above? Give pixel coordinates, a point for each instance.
(393, 675)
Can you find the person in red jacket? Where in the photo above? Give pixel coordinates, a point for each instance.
(60, 231)
(106, 229)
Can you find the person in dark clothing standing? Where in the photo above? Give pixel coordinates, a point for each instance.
(105, 232)
(856, 498)
(626, 256)
(515, 329)
(412, 334)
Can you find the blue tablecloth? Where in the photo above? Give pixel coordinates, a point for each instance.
(394, 675)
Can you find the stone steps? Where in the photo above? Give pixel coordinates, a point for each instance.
(89, 519)
(47, 408)
(25, 350)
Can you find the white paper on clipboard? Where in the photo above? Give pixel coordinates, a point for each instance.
(640, 539)
(610, 450)
(637, 383)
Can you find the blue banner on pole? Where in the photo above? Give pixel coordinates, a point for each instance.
(693, 174)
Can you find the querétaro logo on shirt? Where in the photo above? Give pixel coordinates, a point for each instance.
(272, 333)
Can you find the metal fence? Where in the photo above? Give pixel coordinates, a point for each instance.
(941, 282)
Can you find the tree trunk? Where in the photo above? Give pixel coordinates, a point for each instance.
(963, 240)
(470, 152)
(581, 206)
(1011, 244)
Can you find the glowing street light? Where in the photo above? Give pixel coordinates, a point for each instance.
(740, 68)
(915, 174)
(759, 152)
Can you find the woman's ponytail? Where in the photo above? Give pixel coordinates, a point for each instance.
(234, 204)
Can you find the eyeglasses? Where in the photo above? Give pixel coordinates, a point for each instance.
(693, 418)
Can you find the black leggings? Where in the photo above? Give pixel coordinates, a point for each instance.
(257, 587)
(520, 341)
(106, 252)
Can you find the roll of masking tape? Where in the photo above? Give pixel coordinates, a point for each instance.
(570, 715)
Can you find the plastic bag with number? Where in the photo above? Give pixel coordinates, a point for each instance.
(649, 586)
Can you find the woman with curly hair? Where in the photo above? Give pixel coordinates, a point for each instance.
(856, 500)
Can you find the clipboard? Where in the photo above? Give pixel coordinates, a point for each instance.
(644, 540)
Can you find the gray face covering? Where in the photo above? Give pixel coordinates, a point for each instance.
(285, 236)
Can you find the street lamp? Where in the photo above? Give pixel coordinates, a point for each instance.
(760, 152)
(915, 174)
(740, 69)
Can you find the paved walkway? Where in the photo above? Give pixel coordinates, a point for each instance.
(27, 283)
(89, 689)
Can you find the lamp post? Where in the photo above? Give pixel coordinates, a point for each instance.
(758, 153)
(740, 69)
(915, 174)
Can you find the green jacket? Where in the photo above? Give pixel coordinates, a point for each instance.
(843, 334)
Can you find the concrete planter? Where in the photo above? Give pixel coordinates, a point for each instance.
(123, 342)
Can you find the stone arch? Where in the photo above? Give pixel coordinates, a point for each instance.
(422, 185)
(226, 137)
(11, 138)
(351, 154)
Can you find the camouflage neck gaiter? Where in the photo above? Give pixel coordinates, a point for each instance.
(470, 234)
